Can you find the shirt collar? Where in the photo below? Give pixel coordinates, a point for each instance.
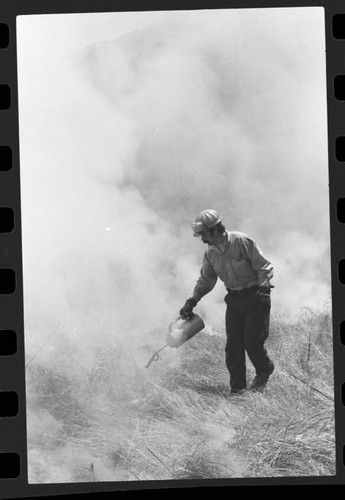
(223, 246)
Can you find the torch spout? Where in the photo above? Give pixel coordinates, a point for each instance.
(155, 355)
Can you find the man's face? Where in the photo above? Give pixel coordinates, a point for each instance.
(209, 237)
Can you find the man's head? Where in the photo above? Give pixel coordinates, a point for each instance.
(208, 226)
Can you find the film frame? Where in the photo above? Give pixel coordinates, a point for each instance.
(13, 458)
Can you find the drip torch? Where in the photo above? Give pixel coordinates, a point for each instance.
(179, 332)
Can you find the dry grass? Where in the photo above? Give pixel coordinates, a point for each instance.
(175, 420)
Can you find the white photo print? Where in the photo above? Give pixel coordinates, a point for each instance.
(130, 125)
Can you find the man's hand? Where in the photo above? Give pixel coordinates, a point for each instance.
(264, 290)
(187, 310)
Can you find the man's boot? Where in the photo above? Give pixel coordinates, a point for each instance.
(236, 392)
(260, 380)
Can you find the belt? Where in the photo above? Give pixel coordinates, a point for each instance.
(244, 291)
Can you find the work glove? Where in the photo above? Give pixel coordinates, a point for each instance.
(187, 310)
(264, 291)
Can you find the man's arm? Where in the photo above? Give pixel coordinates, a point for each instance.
(204, 285)
(206, 281)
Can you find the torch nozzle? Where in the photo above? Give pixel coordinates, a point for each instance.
(155, 356)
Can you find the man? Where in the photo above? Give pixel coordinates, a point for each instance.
(235, 259)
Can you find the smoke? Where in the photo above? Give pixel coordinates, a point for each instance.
(124, 140)
(229, 112)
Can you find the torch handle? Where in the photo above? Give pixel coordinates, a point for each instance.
(173, 322)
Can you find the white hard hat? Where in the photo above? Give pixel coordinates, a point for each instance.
(205, 220)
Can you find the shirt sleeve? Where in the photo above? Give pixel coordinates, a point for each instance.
(206, 281)
(258, 262)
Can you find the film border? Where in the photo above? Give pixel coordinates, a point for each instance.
(13, 478)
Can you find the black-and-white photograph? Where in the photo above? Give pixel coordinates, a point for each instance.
(176, 245)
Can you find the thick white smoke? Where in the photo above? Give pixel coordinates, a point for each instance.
(124, 141)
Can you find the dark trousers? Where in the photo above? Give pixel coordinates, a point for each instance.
(247, 327)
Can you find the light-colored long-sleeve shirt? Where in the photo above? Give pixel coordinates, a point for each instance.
(238, 262)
